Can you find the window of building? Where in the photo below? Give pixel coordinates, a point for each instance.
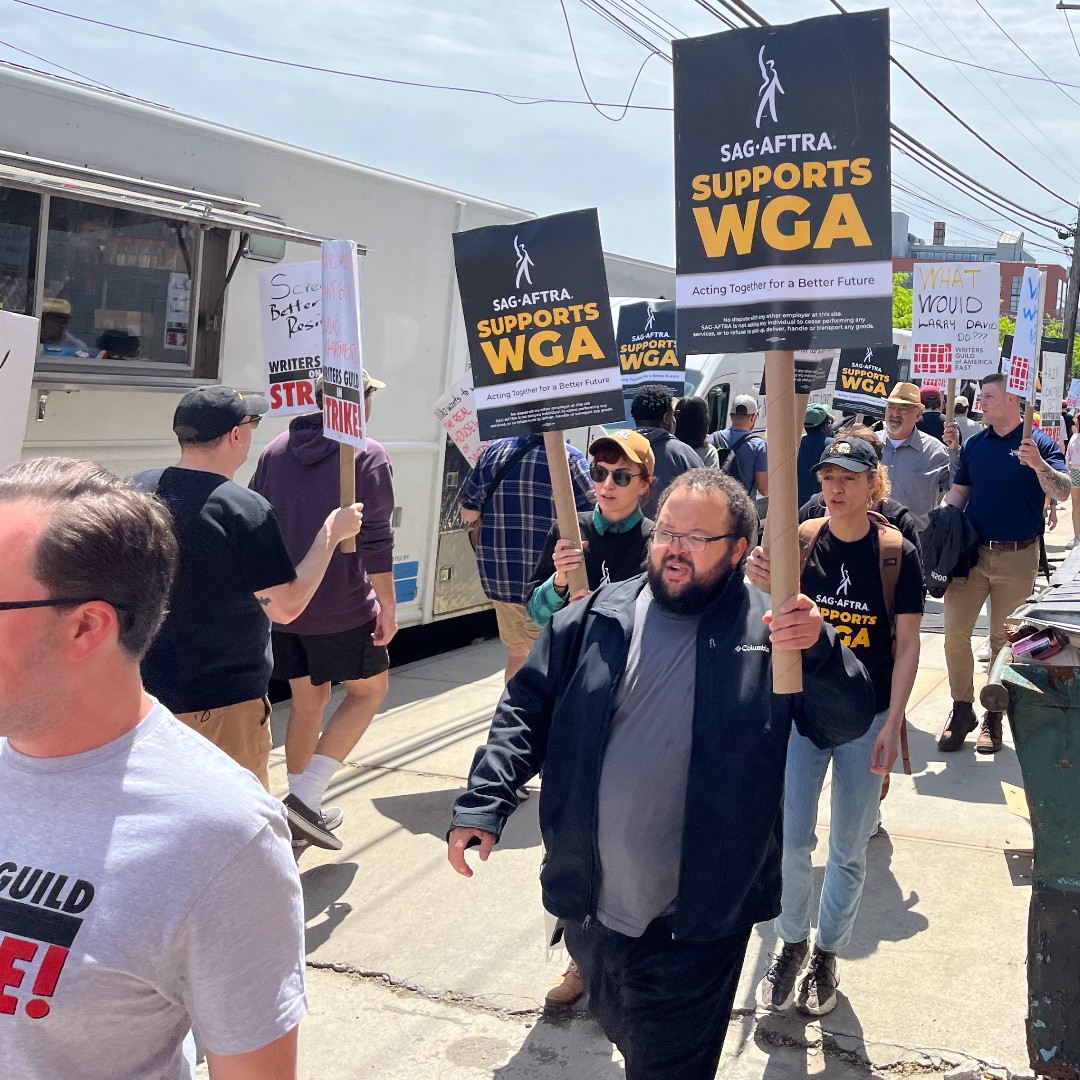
(19, 214)
(1014, 293)
(117, 288)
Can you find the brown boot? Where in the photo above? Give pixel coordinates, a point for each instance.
(961, 721)
(989, 740)
(567, 990)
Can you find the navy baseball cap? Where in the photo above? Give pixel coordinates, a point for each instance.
(213, 411)
(855, 455)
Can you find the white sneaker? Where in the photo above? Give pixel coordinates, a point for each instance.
(983, 655)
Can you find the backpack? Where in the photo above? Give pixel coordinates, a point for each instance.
(890, 552)
(726, 454)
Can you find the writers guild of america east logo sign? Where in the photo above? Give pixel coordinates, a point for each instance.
(524, 264)
(769, 88)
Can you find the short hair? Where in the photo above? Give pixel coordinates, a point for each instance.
(741, 508)
(104, 539)
(959, 408)
(692, 421)
(203, 444)
(651, 404)
(993, 379)
(867, 434)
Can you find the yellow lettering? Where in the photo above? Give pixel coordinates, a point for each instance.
(814, 174)
(786, 176)
(799, 237)
(584, 344)
(701, 186)
(536, 351)
(509, 352)
(842, 222)
(730, 226)
(862, 638)
(860, 172)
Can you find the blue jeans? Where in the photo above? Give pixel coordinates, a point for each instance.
(856, 792)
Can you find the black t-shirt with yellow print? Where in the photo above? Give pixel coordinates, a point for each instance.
(844, 580)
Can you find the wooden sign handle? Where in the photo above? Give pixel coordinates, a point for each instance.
(782, 423)
(802, 401)
(950, 401)
(347, 463)
(562, 488)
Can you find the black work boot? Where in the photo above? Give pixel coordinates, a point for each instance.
(961, 721)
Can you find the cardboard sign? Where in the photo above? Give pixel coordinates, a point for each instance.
(538, 323)
(783, 228)
(1024, 361)
(342, 353)
(812, 370)
(647, 354)
(18, 350)
(1052, 382)
(1074, 393)
(954, 319)
(456, 411)
(290, 303)
(865, 378)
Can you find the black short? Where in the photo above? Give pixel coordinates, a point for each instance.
(325, 658)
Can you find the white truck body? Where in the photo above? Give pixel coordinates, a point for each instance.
(64, 143)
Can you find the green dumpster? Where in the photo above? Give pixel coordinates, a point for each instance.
(1044, 712)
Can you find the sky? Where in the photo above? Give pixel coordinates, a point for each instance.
(548, 157)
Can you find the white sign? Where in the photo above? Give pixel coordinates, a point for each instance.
(18, 349)
(1024, 362)
(290, 309)
(954, 319)
(456, 411)
(177, 311)
(1074, 393)
(342, 355)
(1053, 387)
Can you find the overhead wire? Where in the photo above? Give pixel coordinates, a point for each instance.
(59, 67)
(1068, 23)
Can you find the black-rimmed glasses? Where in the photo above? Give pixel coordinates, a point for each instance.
(687, 541)
(55, 601)
(622, 477)
(253, 421)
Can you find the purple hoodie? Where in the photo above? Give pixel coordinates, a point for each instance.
(298, 475)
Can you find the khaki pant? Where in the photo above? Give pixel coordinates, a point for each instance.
(1007, 577)
(516, 630)
(241, 730)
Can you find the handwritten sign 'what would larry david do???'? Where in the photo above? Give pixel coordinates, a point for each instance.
(538, 322)
(782, 186)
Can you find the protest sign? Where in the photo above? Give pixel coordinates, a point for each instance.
(1074, 393)
(538, 323)
(1052, 381)
(954, 319)
(290, 314)
(864, 379)
(342, 352)
(18, 350)
(1024, 357)
(645, 337)
(782, 186)
(812, 370)
(456, 412)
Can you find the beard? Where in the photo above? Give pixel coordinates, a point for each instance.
(694, 597)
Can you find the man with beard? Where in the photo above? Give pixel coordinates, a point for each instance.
(648, 706)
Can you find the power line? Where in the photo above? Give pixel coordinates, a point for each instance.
(511, 99)
(60, 67)
(1068, 23)
(983, 67)
(1019, 49)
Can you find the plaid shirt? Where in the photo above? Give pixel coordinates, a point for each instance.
(521, 511)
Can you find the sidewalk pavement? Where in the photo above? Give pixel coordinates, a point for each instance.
(416, 972)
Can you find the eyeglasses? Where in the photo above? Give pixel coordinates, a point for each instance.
(254, 421)
(622, 477)
(18, 605)
(687, 541)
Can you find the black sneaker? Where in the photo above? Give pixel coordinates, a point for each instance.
(307, 825)
(817, 991)
(960, 724)
(776, 991)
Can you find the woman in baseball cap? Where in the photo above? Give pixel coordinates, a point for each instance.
(867, 582)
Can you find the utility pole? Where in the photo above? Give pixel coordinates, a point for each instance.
(1072, 295)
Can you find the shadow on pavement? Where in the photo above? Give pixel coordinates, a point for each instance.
(571, 1049)
(788, 1044)
(428, 813)
(323, 886)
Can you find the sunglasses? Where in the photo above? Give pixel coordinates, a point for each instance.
(253, 421)
(20, 605)
(622, 477)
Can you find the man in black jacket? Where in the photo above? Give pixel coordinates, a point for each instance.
(649, 707)
(654, 415)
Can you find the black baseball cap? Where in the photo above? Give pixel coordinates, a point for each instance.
(213, 411)
(855, 455)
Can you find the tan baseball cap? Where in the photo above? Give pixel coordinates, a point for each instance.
(905, 393)
(631, 444)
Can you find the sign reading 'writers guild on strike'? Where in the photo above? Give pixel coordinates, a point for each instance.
(538, 322)
(782, 186)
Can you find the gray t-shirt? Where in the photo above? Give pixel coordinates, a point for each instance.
(145, 885)
(643, 780)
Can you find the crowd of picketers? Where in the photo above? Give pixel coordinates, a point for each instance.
(148, 880)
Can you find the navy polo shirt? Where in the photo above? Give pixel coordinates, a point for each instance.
(1006, 497)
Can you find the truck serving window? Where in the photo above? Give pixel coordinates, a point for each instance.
(19, 213)
(117, 290)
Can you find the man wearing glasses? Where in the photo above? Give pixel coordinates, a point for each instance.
(210, 665)
(146, 882)
(648, 706)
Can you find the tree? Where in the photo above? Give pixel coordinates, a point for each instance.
(901, 302)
